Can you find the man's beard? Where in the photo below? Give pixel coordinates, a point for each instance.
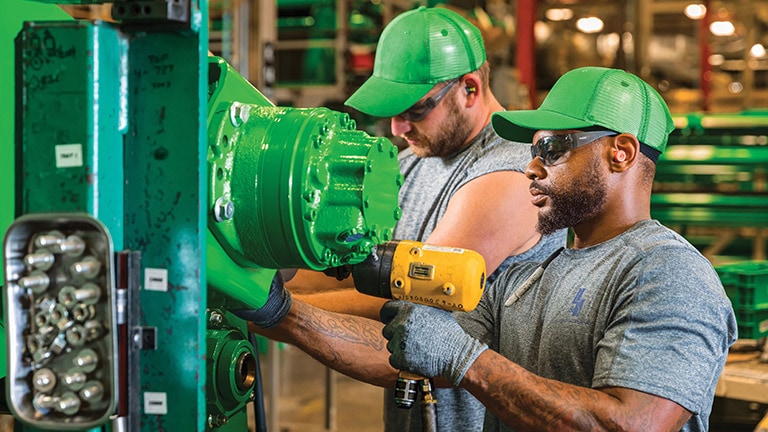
(572, 205)
(450, 136)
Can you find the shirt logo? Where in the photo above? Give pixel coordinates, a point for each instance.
(578, 303)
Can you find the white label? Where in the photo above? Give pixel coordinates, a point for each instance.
(156, 279)
(443, 249)
(69, 155)
(155, 403)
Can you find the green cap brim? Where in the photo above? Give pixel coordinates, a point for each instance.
(384, 98)
(520, 126)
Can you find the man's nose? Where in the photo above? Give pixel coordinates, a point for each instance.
(399, 126)
(535, 169)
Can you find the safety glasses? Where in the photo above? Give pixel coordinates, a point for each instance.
(419, 110)
(551, 148)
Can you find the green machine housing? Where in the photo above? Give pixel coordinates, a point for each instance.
(156, 191)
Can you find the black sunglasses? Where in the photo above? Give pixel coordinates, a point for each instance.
(551, 148)
(419, 110)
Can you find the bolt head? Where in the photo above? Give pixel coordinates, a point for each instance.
(223, 209)
(215, 318)
(238, 114)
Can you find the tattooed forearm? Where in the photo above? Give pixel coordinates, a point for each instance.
(529, 402)
(351, 345)
(346, 327)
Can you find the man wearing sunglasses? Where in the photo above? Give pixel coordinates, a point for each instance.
(464, 185)
(627, 330)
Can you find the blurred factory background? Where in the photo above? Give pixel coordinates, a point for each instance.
(707, 59)
(708, 56)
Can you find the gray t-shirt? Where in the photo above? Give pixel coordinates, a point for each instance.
(429, 185)
(643, 310)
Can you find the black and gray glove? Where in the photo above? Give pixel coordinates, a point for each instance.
(428, 341)
(276, 307)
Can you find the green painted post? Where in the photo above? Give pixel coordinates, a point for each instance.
(165, 171)
(68, 162)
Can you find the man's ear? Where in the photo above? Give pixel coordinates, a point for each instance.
(624, 151)
(471, 89)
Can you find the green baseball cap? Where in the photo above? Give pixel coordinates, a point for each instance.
(594, 96)
(417, 50)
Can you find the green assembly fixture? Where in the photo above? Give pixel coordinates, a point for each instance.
(156, 191)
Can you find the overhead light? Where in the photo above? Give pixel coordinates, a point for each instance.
(757, 50)
(557, 14)
(716, 59)
(607, 44)
(509, 24)
(722, 28)
(541, 32)
(695, 11)
(590, 24)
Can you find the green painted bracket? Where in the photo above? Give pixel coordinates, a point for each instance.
(249, 286)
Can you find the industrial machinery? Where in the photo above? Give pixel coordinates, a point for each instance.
(156, 190)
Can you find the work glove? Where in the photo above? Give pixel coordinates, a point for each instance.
(276, 307)
(428, 341)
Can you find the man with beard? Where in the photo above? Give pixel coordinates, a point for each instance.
(464, 186)
(627, 330)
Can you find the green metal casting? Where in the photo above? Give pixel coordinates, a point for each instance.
(225, 85)
(297, 187)
(245, 287)
(231, 368)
